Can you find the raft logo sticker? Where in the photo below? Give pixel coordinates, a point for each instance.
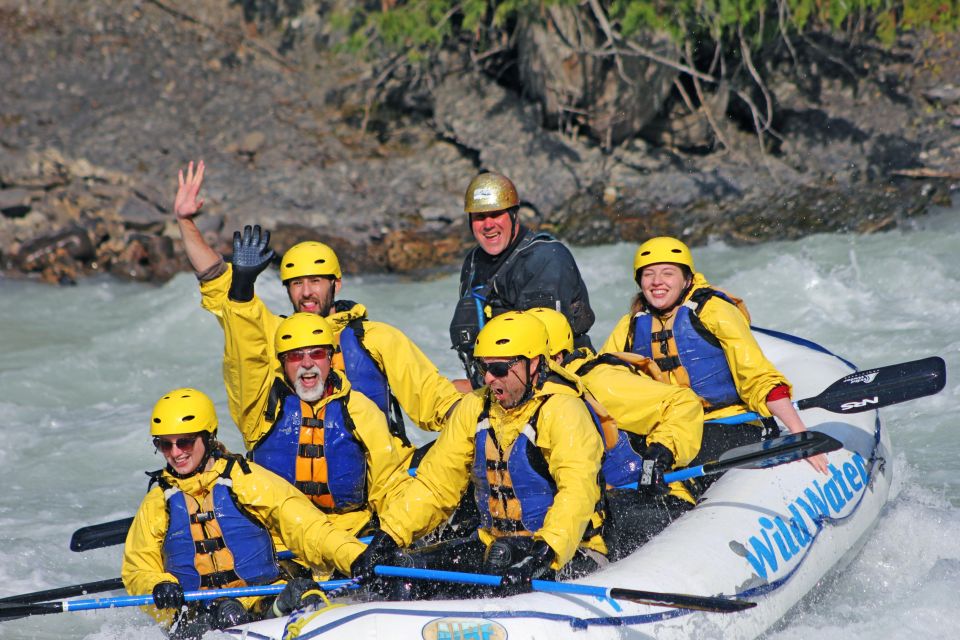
(463, 629)
(865, 378)
(778, 540)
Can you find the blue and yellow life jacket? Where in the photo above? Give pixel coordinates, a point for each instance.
(215, 544)
(684, 346)
(365, 376)
(513, 487)
(621, 462)
(319, 454)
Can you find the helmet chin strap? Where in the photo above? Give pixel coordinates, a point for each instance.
(539, 374)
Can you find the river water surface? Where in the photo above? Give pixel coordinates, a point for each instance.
(81, 367)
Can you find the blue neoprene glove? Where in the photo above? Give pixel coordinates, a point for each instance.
(251, 255)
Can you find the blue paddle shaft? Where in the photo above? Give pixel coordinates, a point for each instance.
(190, 596)
(487, 580)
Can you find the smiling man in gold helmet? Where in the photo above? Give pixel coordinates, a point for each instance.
(511, 268)
(379, 360)
(208, 521)
(528, 443)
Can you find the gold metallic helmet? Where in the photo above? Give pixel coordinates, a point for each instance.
(511, 334)
(309, 258)
(303, 330)
(490, 192)
(559, 334)
(183, 411)
(662, 249)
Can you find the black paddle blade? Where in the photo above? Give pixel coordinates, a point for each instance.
(102, 535)
(681, 600)
(14, 611)
(776, 451)
(875, 388)
(65, 592)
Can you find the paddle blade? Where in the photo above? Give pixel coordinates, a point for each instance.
(14, 611)
(776, 451)
(681, 600)
(875, 388)
(102, 535)
(65, 592)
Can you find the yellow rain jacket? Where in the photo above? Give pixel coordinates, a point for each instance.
(669, 415)
(570, 444)
(272, 501)
(425, 395)
(753, 375)
(386, 457)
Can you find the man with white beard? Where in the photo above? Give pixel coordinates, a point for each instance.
(307, 425)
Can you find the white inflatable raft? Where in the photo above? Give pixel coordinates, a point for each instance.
(764, 535)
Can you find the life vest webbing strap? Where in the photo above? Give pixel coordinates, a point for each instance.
(659, 336)
(496, 465)
(209, 545)
(668, 363)
(218, 579)
(500, 491)
(311, 422)
(511, 526)
(201, 517)
(312, 488)
(310, 451)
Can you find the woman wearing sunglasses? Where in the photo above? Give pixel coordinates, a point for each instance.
(528, 443)
(700, 337)
(208, 522)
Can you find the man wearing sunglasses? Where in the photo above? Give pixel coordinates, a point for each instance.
(378, 359)
(511, 268)
(208, 520)
(309, 426)
(648, 428)
(527, 441)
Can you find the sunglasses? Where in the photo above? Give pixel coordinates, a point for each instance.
(184, 444)
(316, 353)
(497, 369)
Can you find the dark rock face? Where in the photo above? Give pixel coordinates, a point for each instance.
(102, 103)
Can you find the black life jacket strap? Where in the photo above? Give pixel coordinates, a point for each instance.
(312, 488)
(310, 451)
(218, 579)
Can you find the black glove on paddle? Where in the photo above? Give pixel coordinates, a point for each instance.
(292, 596)
(657, 460)
(518, 576)
(382, 549)
(251, 255)
(168, 595)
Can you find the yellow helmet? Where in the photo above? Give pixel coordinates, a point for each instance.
(514, 333)
(490, 192)
(662, 249)
(303, 330)
(309, 259)
(183, 411)
(559, 334)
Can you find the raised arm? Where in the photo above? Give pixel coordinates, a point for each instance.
(186, 206)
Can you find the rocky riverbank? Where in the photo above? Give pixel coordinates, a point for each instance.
(102, 102)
